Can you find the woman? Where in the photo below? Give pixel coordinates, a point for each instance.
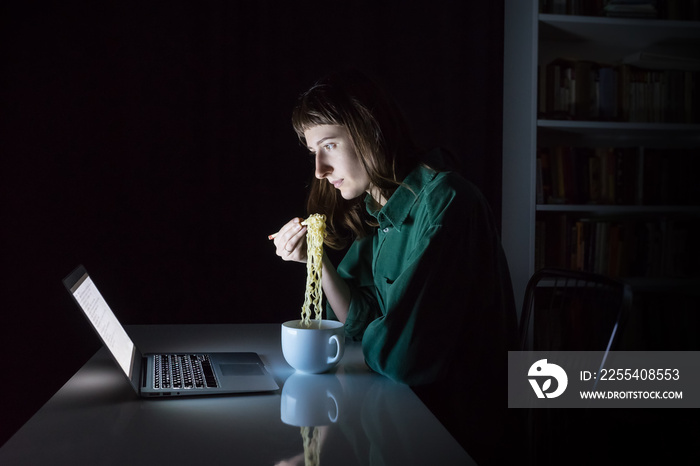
(424, 283)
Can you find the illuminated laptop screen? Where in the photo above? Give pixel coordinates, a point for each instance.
(106, 323)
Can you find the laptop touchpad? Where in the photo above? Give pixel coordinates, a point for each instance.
(240, 369)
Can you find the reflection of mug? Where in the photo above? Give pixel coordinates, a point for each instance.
(313, 349)
(311, 400)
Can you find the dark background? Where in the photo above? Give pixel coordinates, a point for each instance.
(152, 143)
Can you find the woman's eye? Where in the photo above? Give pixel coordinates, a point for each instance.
(329, 146)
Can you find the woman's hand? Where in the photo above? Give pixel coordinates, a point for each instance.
(290, 244)
(290, 241)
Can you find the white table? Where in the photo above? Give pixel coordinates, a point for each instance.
(95, 418)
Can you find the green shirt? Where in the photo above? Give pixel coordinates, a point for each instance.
(430, 288)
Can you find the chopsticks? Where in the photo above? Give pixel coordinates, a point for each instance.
(273, 235)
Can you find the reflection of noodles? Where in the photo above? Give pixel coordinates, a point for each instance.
(312, 446)
(315, 233)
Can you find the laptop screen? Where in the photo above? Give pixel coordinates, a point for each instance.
(105, 322)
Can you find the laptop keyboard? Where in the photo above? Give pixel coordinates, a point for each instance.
(185, 371)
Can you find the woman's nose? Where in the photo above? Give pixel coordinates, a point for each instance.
(322, 168)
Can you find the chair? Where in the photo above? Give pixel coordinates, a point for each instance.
(566, 310)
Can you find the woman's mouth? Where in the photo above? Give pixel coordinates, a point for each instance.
(336, 184)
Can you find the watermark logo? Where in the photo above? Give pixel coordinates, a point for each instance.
(543, 371)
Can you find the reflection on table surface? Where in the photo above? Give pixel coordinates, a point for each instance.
(349, 416)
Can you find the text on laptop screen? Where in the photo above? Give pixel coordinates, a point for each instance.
(106, 323)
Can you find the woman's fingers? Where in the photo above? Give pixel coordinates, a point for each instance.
(285, 239)
(290, 241)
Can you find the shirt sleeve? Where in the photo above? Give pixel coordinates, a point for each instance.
(445, 308)
(356, 269)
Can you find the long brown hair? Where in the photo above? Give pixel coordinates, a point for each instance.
(381, 138)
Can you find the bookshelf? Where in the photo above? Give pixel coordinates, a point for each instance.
(531, 125)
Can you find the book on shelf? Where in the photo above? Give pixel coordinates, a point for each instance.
(572, 89)
(688, 10)
(573, 7)
(658, 96)
(559, 86)
(618, 247)
(624, 176)
(539, 188)
(631, 8)
(576, 175)
(585, 99)
(606, 95)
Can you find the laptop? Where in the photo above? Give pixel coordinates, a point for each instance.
(167, 374)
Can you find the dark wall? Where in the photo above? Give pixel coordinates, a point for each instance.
(153, 145)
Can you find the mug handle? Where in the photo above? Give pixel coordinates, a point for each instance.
(333, 417)
(334, 359)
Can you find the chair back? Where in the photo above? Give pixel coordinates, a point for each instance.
(565, 310)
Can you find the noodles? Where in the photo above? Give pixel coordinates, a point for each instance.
(312, 446)
(315, 233)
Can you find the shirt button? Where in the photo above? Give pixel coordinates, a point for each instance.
(386, 230)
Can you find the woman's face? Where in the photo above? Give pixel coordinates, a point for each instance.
(337, 161)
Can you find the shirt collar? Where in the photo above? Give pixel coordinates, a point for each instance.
(396, 210)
